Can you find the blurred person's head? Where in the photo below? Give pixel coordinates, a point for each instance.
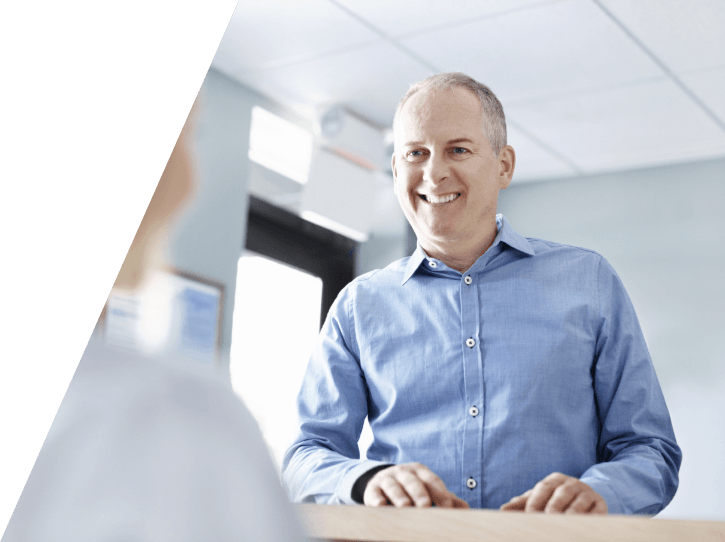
(176, 187)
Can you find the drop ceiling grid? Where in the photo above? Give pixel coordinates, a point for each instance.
(266, 35)
(709, 86)
(532, 161)
(686, 36)
(647, 123)
(370, 80)
(554, 49)
(324, 54)
(403, 18)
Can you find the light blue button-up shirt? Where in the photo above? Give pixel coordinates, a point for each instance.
(529, 363)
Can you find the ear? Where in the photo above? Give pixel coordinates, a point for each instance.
(507, 163)
(392, 165)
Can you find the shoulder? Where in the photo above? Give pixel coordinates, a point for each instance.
(561, 254)
(543, 246)
(369, 288)
(392, 274)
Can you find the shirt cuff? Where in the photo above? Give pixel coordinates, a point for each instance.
(614, 504)
(344, 488)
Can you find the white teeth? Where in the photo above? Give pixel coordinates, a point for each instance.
(442, 199)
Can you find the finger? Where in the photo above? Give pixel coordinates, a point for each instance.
(440, 496)
(517, 504)
(414, 488)
(542, 492)
(395, 493)
(458, 502)
(374, 496)
(583, 503)
(600, 506)
(562, 497)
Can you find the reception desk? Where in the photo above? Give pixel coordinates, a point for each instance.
(359, 523)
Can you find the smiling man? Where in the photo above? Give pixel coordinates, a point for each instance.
(496, 371)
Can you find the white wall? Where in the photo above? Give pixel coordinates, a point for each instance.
(210, 238)
(663, 230)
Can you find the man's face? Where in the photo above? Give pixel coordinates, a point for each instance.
(447, 178)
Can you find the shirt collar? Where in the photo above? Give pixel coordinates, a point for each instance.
(413, 263)
(511, 237)
(506, 234)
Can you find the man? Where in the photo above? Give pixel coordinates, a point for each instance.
(495, 370)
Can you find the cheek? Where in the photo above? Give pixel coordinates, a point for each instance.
(401, 188)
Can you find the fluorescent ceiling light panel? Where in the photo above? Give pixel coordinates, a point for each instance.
(335, 226)
(280, 145)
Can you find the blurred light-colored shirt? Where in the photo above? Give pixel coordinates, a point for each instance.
(151, 450)
(531, 362)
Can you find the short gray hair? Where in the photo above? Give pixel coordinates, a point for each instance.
(494, 120)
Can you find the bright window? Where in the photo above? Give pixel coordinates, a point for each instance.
(276, 323)
(279, 145)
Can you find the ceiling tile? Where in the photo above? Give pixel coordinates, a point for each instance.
(684, 35)
(369, 81)
(263, 35)
(556, 48)
(533, 162)
(709, 86)
(628, 127)
(403, 17)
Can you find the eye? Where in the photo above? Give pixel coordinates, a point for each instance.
(459, 150)
(415, 155)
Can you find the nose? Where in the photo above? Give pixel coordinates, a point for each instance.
(436, 169)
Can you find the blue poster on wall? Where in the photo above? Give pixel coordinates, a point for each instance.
(200, 312)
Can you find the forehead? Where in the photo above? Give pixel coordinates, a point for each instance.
(449, 113)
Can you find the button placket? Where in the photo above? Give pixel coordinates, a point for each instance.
(474, 395)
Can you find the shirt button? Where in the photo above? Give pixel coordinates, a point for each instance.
(473, 411)
(470, 343)
(471, 483)
(432, 263)
(468, 279)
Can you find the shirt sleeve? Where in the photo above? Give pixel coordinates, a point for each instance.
(323, 463)
(638, 457)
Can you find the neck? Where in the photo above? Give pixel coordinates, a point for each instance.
(460, 258)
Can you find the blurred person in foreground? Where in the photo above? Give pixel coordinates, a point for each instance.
(145, 448)
(496, 371)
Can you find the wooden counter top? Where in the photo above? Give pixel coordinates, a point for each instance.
(359, 523)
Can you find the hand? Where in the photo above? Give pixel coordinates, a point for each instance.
(556, 494)
(409, 484)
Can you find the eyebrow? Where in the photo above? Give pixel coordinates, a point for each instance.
(459, 140)
(451, 142)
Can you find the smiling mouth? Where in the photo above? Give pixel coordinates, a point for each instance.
(439, 199)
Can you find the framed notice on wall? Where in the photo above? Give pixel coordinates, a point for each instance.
(176, 315)
(199, 304)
